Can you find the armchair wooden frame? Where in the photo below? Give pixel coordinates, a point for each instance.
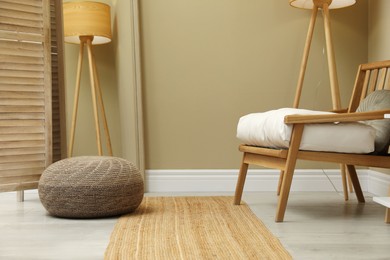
(370, 77)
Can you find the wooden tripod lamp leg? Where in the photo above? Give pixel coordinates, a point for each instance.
(305, 57)
(334, 84)
(93, 91)
(76, 99)
(102, 110)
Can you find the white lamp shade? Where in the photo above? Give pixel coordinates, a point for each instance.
(87, 19)
(308, 4)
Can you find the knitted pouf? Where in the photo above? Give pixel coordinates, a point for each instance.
(91, 187)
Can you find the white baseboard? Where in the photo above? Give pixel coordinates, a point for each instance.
(374, 182)
(378, 183)
(257, 180)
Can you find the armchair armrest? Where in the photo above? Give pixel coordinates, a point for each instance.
(329, 118)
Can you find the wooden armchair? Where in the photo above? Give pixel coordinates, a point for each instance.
(370, 77)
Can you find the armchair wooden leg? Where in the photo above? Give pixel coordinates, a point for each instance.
(387, 215)
(289, 171)
(344, 180)
(355, 182)
(283, 198)
(280, 182)
(349, 183)
(240, 181)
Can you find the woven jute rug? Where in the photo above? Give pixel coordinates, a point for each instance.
(192, 228)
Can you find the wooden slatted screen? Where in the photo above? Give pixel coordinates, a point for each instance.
(26, 54)
(58, 82)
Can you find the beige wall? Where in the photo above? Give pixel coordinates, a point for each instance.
(206, 63)
(379, 24)
(379, 37)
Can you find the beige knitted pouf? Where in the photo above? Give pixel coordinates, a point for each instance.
(91, 187)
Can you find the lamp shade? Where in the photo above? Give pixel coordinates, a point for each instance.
(308, 4)
(87, 19)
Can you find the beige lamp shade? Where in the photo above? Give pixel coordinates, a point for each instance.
(87, 19)
(308, 4)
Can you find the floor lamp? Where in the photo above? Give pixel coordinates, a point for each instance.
(325, 5)
(87, 24)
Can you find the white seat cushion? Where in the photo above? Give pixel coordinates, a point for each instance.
(269, 130)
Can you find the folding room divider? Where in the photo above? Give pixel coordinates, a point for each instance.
(32, 112)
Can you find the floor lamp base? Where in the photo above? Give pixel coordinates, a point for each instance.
(97, 100)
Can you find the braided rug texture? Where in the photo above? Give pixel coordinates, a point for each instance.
(91, 187)
(192, 228)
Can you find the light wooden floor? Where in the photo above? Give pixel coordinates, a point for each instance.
(318, 225)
